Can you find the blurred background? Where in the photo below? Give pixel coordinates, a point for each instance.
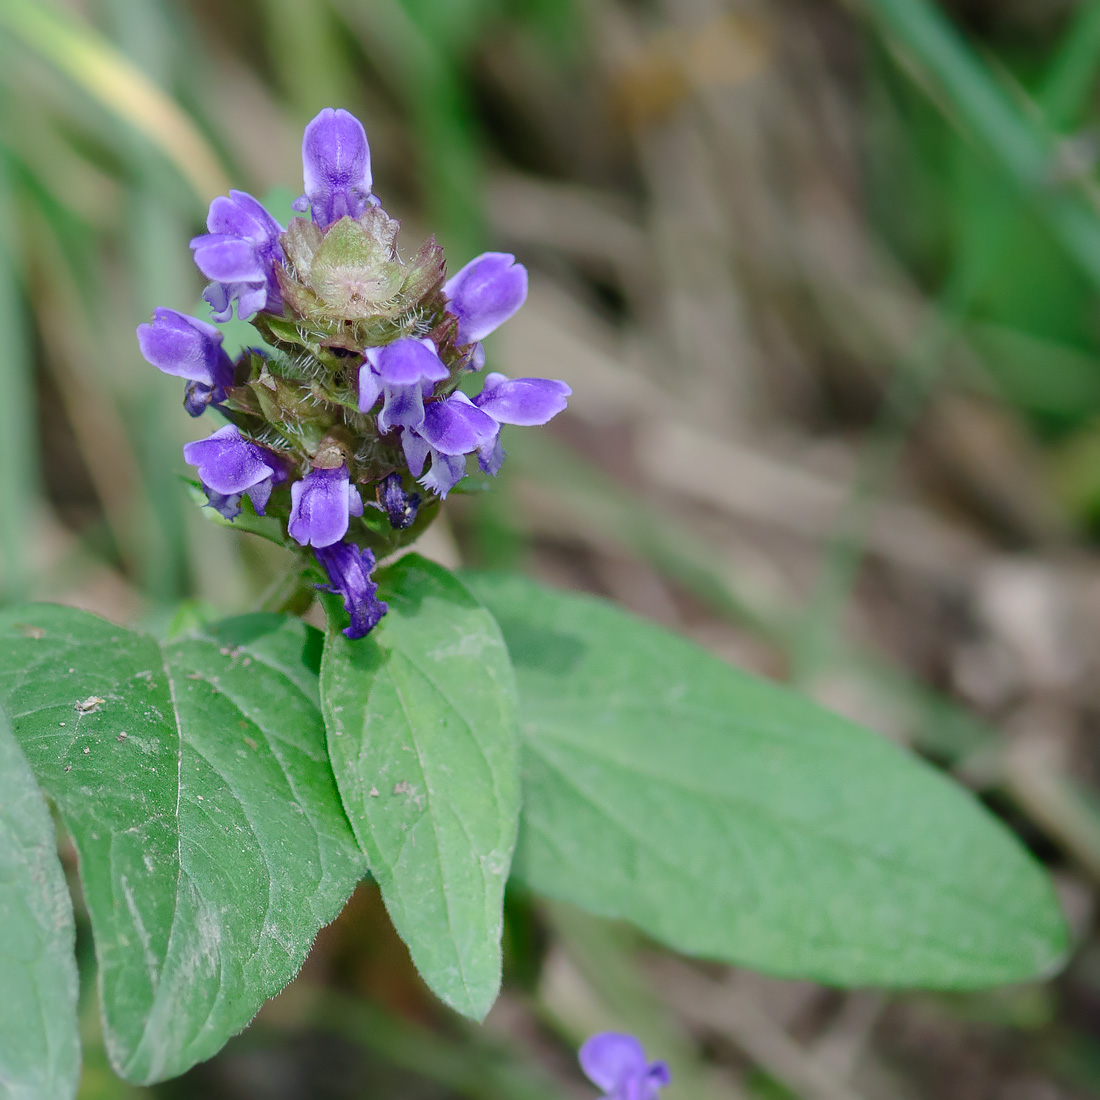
(825, 279)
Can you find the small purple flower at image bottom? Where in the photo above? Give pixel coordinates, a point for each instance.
(349, 570)
(616, 1063)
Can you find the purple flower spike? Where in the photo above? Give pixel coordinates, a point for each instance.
(230, 465)
(320, 507)
(484, 294)
(240, 253)
(403, 372)
(349, 569)
(616, 1063)
(186, 347)
(336, 168)
(523, 401)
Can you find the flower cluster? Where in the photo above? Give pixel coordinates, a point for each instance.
(353, 396)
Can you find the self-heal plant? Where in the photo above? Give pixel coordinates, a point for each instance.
(226, 788)
(355, 390)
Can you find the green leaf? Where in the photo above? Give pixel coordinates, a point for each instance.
(421, 719)
(735, 820)
(39, 1043)
(194, 781)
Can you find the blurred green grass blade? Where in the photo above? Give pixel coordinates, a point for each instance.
(1024, 153)
(424, 66)
(19, 477)
(155, 236)
(1065, 92)
(95, 65)
(940, 59)
(937, 56)
(312, 64)
(915, 378)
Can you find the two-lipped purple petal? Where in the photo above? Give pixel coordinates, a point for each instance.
(335, 167)
(522, 401)
(239, 253)
(230, 465)
(456, 426)
(445, 473)
(416, 451)
(452, 429)
(185, 347)
(349, 570)
(238, 214)
(320, 507)
(189, 349)
(404, 372)
(485, 293)
(616, 1063)
(228, 259)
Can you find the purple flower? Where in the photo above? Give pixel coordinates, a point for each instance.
(230, 465)
(320, 507)
(349, 569)
(484, 294)
(405, 372)
(188, 348)
(523, 401)
(452, 429)
(401, 507)
(336, 168)
(616, 1063)
(240, 253)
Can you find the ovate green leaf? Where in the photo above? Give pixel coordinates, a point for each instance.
(736, 820)
(194, 781)
(421, 719)
(39, 1044)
